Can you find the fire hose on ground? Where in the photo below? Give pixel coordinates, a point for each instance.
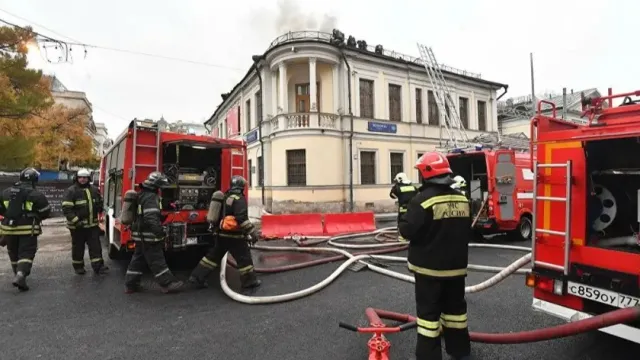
(378, 345)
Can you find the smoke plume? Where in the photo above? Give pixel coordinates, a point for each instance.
(290, 17)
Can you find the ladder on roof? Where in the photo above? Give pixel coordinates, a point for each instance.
(238, 162)
(442, 94)
(567, 220)
(144, 149)
(509, 141)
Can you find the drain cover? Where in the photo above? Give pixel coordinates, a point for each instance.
(357, 266)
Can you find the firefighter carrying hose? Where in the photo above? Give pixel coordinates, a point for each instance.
(403, 191)
(233, 231)
(438, 226)
(149, 236)
(81, 205)
(23, 208)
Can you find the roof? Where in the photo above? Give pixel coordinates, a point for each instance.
(325, 38)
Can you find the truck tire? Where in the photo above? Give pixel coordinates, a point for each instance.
(524, 229)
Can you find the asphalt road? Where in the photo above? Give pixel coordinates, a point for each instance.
(71, 317)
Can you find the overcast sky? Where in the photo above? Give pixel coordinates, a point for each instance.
(576, 44)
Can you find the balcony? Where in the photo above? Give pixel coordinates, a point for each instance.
(305, 121)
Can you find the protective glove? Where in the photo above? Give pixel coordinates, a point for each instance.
(3, 241)
(254, 236)
(82, 223)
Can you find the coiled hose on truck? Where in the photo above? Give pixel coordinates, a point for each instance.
(594, 323)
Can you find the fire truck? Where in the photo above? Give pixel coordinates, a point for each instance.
(196, 166)
(500, 189)
(586, 249)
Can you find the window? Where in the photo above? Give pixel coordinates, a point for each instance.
(418, 156)
(367, 167)
(107, 189)
(121, 150)
(260, 171)
(434, 112)
(366, 98)
(419, 105)
(396, 162)
(247, 110)
(258, 108)
(297, 167)
(250, 173)
(482, 115)
(395, 102)
(464, 111)
(118, 195)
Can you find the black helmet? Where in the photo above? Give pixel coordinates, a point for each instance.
(155, 180)
(238, 182)
(29, 175)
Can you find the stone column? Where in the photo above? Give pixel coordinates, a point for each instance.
(283, 95)
(313, 89)
(336, 88)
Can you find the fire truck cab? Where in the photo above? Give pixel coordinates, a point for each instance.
(499, 188)
(196, 167)
(585, 249)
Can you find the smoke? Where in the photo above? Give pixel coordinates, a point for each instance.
(290, 17)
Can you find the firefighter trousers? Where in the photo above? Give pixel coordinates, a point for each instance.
(151, 254)
(91, 237)
(22, 250)
(401, 211)
(238, 248)
(441, 309)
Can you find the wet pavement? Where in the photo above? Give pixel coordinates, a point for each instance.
(71, 317)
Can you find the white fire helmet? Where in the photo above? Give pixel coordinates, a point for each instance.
(83, 173)
(460, 182)
(402, 178)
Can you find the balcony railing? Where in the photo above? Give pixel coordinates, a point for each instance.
(305, 120)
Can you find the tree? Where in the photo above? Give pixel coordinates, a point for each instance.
(23, 91)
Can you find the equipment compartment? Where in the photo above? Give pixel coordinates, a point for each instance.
(193, 171)
(613, 166)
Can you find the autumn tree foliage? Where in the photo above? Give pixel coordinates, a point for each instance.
(34, 131)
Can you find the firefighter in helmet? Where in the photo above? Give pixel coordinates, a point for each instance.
(233, 232)
(149, 236)
(403, 191)
(438, 226)
(460, 184)
(81, 205)
(23, 208)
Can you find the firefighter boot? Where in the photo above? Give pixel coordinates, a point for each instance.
(130, 289)
(14, 268)
(249, 280)
(20, 281)
(80, 271)
(102, 270)
(197, 283)
(172, 287)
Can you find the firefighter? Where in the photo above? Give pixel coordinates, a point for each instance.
(459, 184)
(81, 205)
(438, 226)
(233, 232)
(23, 208)
(403, 191)
(149, 236)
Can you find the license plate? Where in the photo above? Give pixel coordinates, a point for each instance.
(192, 240)
(602, 296)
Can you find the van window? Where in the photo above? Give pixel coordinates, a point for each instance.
(121, 151)
(118, 195)
(107, 189)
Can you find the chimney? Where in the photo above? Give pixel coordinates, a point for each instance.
(572, 91)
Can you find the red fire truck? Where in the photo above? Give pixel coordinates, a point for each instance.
(499, 184)
(586, 249)
(196, 167)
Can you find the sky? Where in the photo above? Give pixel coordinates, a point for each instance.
(575, 44)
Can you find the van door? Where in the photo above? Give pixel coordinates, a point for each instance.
(504, 179)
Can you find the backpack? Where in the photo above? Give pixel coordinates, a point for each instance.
(17, 199)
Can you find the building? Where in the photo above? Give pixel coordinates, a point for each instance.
(514, 114)
(102, 138)
(308, 144)
(76, 100)
(183, 127)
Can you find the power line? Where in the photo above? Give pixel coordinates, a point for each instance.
(126, 51)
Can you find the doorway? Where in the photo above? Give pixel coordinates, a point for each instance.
(303, 103)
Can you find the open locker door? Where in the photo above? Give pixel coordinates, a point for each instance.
(505, 185)
(239, 164)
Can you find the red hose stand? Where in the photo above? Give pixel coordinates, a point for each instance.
(378, 347)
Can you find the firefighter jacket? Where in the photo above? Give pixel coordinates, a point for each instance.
(235, 204)
(26, 220)
(438, 227)
(81, 205)
(403, 193)
(148, 223)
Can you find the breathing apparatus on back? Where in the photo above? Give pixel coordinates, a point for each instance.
(129, 211)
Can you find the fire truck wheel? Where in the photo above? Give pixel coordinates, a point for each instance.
(524, 230)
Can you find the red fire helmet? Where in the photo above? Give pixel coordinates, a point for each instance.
(433, 164)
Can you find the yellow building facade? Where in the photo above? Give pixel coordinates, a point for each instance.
(329, 126)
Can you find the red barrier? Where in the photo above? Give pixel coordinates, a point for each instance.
(289, 224)
(342, 223)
